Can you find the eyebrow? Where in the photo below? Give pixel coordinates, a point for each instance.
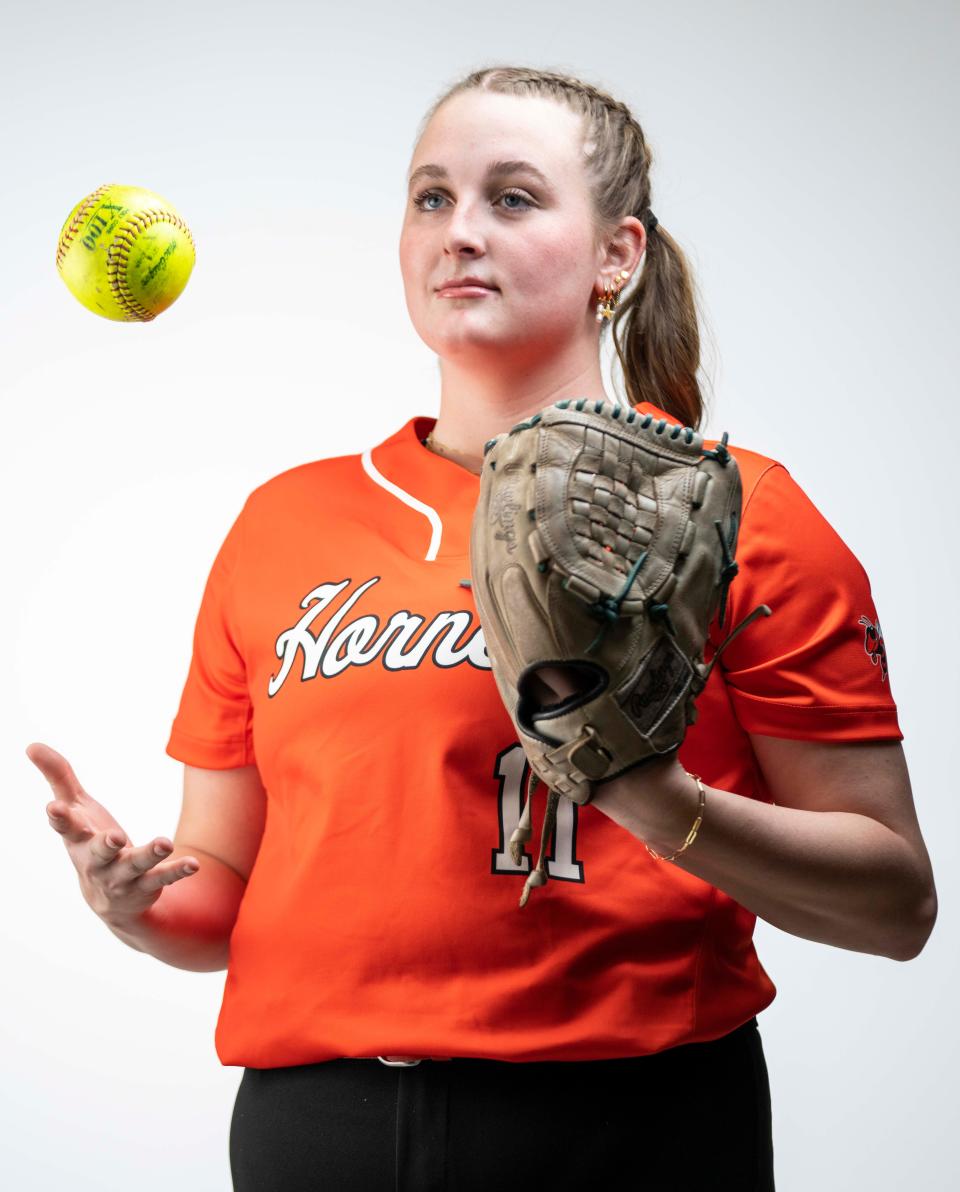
(495, 168)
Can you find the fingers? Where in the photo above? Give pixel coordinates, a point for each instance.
(158, 875)
(143, 859)
(64, 818)
(148, 855)
(71, 813)
(105, 847)
(58, 817)
(166, 875)
(57, 771)
(551, 684)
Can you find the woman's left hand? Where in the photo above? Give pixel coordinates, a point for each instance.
(647, 799)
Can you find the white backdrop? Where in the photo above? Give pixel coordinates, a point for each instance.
(805, 158)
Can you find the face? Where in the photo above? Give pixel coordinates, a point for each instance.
(530, 238)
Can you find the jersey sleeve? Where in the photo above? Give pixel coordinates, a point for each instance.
(817, 667)
(213, 726)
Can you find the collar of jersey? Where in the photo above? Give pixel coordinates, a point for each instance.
(437, 493)
(437, 496)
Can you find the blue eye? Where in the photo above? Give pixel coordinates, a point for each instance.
(420, 201)
(516, 194)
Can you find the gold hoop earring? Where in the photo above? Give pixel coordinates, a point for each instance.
(607, 303)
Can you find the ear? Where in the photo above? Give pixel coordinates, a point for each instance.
(624, 249)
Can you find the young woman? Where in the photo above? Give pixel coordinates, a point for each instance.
(352, 780)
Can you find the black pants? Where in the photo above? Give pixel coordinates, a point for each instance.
(693, 1118)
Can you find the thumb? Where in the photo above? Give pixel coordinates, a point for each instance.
(57, 771)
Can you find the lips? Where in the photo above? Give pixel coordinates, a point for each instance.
(465, 283)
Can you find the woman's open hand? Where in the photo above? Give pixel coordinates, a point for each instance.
(118, 879)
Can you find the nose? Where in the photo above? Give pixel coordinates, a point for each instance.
(462, 236)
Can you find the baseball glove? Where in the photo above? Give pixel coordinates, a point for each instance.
(602, 544)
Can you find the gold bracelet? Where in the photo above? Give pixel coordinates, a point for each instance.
(693, 831)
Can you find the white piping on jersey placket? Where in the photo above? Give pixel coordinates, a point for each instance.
(436, 525)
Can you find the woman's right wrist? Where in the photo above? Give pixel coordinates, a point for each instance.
(130, 928)
(189, 925)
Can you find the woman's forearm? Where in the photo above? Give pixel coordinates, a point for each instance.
(835, 877)
(189, 925)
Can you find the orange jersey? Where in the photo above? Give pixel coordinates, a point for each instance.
(336, 647)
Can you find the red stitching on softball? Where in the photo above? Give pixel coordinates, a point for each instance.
(117, 260)
(68, 234)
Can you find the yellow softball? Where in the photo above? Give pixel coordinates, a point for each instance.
(125, 253)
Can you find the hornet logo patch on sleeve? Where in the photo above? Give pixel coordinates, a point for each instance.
(873, 645)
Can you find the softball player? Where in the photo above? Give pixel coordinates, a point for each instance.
(352, 777)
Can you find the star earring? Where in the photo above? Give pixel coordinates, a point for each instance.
(607, 303)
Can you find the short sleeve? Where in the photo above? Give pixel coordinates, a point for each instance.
(817, 667)
(213, 726)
